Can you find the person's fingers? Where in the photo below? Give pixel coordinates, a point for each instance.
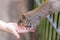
(32, 30)
(22, 30)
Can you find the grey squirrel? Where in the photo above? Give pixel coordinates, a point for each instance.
(42, 11)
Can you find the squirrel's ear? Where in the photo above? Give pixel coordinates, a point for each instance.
(23, 16)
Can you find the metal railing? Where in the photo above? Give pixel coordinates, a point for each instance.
(49, 28)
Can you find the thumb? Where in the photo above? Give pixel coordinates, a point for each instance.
(16, 34)
(13, 30)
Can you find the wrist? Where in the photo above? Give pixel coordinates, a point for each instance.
(3, 25)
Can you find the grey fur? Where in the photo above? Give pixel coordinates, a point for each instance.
(41, 12)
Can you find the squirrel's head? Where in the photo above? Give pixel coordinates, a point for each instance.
(24, 21)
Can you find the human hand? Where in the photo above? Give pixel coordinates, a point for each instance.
(15, 29)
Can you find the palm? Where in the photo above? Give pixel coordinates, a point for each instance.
(21, 30)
